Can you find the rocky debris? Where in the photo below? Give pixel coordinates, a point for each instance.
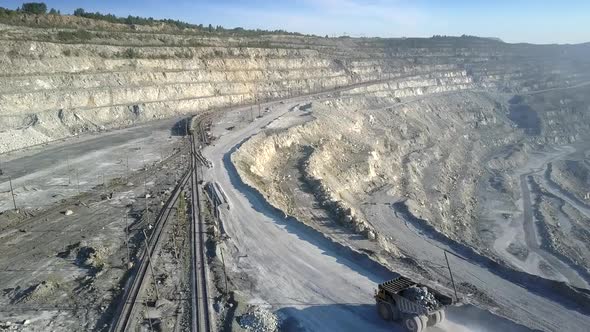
(572, 176)
(519, 250)
(471, 291)
(105, 197)
(14, 325)
(93, 258)
(41, 292)
(421, 296)
(68, 212)
(259, 319)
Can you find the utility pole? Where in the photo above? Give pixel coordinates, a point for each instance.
(69, 175)
(127, 241)
(147, 211)
(12, 192)
(451, 274)
(78, 181)
(259, 109)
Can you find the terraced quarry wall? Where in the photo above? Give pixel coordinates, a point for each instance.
(398, 155)
(444, 103)
(423, 140)
(426, 155)
(56, 83)
(426, 152)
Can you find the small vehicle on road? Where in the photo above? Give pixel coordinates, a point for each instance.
(415, 305)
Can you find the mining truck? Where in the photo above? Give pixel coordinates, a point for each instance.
(415, 305)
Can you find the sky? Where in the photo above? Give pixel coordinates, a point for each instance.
(540, 21)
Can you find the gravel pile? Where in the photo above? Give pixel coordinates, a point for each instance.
(259, 320)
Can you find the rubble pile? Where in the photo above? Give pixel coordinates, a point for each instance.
(258, 319)
(421, 296)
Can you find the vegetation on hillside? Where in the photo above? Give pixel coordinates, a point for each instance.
(39, 8)
(34, 8)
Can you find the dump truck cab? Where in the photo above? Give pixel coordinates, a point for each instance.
(416, 306)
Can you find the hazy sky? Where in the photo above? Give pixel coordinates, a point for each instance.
(540, 21)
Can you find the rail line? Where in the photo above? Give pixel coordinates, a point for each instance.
(200, 316)
(200, 306)
(134, 286)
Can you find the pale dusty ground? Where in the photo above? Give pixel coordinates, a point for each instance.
(45, 175)
(42, 244)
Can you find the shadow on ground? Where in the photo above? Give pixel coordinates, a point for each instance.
(180, 127)
(459, 319)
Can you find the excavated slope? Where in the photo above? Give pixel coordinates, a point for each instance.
(59, 82)
(428, 153)
(424, 140)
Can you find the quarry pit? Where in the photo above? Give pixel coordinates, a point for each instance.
(336, 161)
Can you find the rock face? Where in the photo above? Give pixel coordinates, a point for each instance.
(426, 151)
(424, 141)
(573, 176)
(59, 82)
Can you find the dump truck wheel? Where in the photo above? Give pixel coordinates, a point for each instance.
(384, 310)
(395, 314)
(432, 320)
(436, 318)
(440, 316)
(424, 320)
(413, 324)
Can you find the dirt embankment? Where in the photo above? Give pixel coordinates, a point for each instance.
(573, 176)
(421, 152)
(425, 151)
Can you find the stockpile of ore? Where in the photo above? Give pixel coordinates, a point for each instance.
(421, 296)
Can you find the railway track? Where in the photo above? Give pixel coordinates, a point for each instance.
(200, 306)
(199, 126)
(200, 316)
(134, 287)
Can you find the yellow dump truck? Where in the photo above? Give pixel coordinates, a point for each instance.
(415, 305)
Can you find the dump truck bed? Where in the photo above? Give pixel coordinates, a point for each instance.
(396, 287)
